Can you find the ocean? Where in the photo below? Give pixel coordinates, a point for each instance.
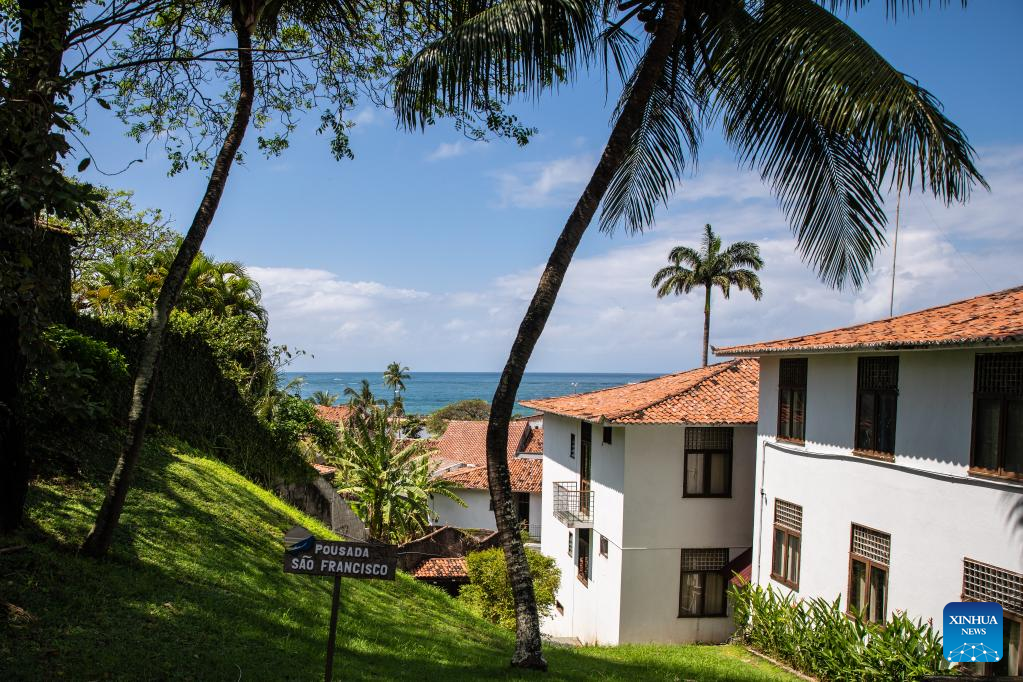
(428, 391)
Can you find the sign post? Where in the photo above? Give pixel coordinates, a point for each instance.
(304, 554)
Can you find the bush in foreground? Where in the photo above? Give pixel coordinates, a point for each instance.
(489, 595)
(816, 637)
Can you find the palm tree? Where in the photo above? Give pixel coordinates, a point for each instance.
(394, 377)
(800, 96)
(711, 267)
(389, 480)
(325, 398)
(362, 400)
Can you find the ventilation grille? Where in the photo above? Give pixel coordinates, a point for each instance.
(987, 583)
(879, 374)
(704, 559)
(788, 515)
(1001, 374)
(872, 545)
(792, 373)
(709, 438)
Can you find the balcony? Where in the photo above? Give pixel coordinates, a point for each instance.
(573, 507)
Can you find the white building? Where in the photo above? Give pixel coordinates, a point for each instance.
(890, 463)
(461, 457)
(648, 504)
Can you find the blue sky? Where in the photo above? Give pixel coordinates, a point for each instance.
(426, 247)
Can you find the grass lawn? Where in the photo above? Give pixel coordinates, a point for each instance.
(195, 590)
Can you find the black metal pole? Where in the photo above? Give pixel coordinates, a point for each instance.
(328, 675)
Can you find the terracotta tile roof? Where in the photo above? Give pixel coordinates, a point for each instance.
(442, 567)
(463, 450)
(534, 441)
(526, 476)
(987, 320)
(333, 413)
(740, 569)
(724, 393)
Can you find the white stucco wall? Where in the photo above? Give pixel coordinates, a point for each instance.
(591, 612)
(935, 512)
(659, 523)
(477, 513)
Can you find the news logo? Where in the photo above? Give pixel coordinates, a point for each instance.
(972, 632)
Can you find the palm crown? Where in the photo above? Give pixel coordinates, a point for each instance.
(710, 268)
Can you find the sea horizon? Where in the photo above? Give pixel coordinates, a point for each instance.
(429, 391)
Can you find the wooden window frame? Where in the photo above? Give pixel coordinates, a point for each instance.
(784, 386)
(871, 564)
(571, 544)
(990, 668)
(1004, 399)
(707, 469)
(603, 546)
(873, 452)
(788, 534)
(703, 593)
(583, 561)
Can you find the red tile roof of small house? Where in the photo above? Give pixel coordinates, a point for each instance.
(333, 413)
(324, 469)
(989, 320)
(441, 567)
(464, 448)
(723, 393)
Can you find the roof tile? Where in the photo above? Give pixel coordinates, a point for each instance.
(465, 443)
(724, 393)
(991, 319)
(442, 567)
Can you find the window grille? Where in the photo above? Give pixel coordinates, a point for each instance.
(792, 373)
(788, 515)
(871, 544)
(704, 559)
(987, 583)
(713, 438)
(1001, 374)
(879, 374)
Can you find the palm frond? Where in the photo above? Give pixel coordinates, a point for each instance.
(668, 136)
(509, 47)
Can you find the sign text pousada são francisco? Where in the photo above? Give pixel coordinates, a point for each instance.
(307, 555)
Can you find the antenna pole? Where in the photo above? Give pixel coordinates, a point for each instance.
(895, 249)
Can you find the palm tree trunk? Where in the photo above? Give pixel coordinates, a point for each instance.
(528, 653)
(99, 539)
(706, 324)
(28, 116)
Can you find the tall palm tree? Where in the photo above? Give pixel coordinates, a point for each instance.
(395, 376)
(389, 479)
(362, 400)
(800, 96)
(711, 267)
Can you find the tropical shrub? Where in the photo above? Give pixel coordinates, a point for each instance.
(471, 409)
(489, 594)
(817, 637)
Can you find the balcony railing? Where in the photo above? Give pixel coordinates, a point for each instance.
(573, 507)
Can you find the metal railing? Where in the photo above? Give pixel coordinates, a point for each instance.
(573, 507)
(532, 531)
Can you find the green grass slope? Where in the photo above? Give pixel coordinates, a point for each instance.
(195, 590)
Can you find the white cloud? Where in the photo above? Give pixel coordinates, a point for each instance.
(550, 183)
(449, 150)
(608, 318)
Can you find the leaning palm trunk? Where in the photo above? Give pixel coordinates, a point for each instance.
(528, 652)
(99, 539)
(706, 323)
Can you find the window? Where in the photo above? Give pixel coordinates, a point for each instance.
(998, 415)
(792, 400)
(603, 546)
(708, 462)
(571, 445)
(702, 592)
(582, 558)
(788, 529)
(982, 582)
(607, 435)
(522, 507)
(869, 554)
(876, 397)
(569, 543)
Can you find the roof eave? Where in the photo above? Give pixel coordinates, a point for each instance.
(957, 344)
